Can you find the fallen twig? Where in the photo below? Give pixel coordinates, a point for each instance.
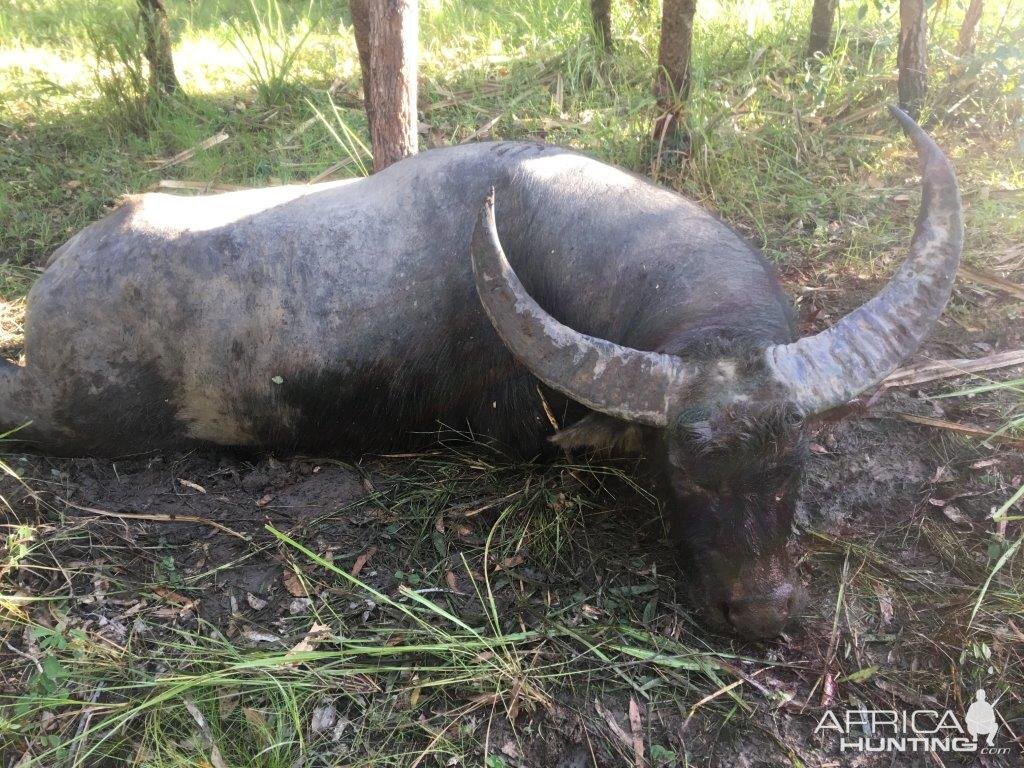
(188, 154)
(947, 369)
(952, 426)
(199, 186)
(992, 281)
(83, 725)
(155, 518)
(618, 730)
(484, 129)
(330, 171)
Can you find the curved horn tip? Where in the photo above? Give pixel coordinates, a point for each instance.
(933, 159)
(909, 124)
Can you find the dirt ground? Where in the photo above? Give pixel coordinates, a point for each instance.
(892, 524)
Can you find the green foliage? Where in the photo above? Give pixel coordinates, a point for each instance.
(271, 48)
(121, 73)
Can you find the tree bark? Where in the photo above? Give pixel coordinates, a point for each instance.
(360, 10)
(823, 18)
(912, 56)
(601, 13)
(969, 27)
(387, 36)
(672, 82)
(162, 78)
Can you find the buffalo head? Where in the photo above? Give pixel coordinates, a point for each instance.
(724, 427)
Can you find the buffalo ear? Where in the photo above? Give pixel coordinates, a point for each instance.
(600, 432)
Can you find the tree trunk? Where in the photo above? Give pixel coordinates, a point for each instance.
(360, 10)
(912, 56)
(672, 83)
(969, 27)
(601, 13)
(387, 37)
(158, 46)
(823, 17)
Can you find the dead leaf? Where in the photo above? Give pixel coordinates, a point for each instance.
(362, 560)
(299, 605)
(173, 597)
(985, 463)
(227, 702)
(884, 603)
(636, 727)
(958, 518)
(262, 501)
(257, 636)
(509, 562)
(256, 603)
(828, 690)
(294, 584)
(255, 719)
(190, 484)
(511, 749)
(323, 719)
(207, 737)
(316, 635)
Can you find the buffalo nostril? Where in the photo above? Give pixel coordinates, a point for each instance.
(757, 619)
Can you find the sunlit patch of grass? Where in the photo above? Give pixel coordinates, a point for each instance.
(271, 49)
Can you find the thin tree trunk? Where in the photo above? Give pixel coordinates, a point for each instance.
(391, 39)
(601, 13)
(823, 18)
(672, 82)
(969, 27)
(360, 10)
(158, 46)
(912, 56)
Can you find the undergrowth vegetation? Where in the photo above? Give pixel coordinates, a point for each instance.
(489, 603)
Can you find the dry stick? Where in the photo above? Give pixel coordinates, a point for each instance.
(187, 154)
(947, 369)
(964, 429)
(155, 518)
(330, 171)
(83, 725)
(992, 281)
(615, 728)
(200, 186)
(710, 697)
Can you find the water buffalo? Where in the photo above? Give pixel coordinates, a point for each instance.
(348, 316)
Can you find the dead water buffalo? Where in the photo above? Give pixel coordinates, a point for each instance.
(350, 315)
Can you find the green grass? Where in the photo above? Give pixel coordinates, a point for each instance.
(800, 156)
